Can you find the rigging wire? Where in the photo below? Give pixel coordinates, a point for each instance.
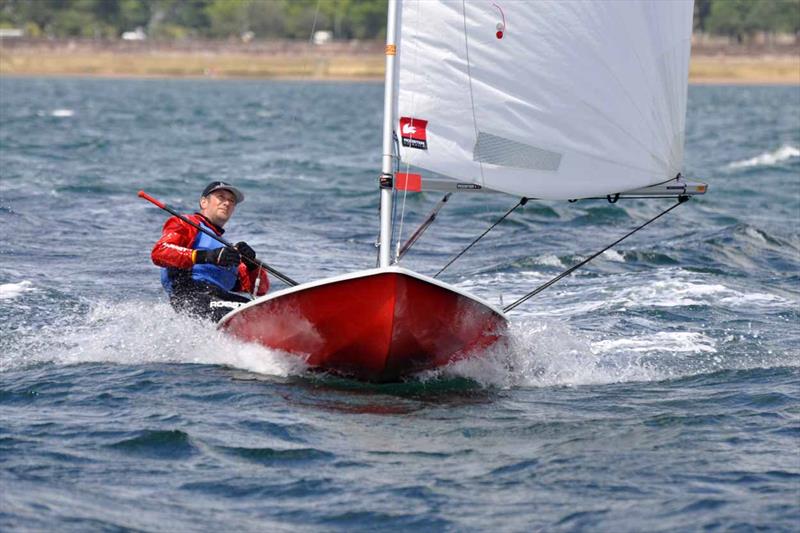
(394, 190)
(424, 226)
(405, 194)
(471, 93)
(402, 220)
(540, 288)
(522, 201)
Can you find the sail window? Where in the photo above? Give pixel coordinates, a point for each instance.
(498, 150)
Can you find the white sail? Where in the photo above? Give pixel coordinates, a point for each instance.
(545, 99)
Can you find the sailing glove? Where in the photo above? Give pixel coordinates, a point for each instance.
(224, 257)
(245, 249)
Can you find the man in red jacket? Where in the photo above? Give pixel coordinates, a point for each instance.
(201, 275)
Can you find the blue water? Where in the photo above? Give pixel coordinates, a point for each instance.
(657, 389)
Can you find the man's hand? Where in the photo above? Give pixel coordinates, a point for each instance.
(223, 257)
(245, 250)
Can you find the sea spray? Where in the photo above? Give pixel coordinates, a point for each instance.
(142, 333)
(544, 353)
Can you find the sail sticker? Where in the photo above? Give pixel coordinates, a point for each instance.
(408, 182)
(413, 132)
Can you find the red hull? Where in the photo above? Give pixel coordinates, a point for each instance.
(378, 325)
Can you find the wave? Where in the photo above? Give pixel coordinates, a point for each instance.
(783, 153)
(157, 444)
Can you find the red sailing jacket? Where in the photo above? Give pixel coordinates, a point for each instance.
(174, 250)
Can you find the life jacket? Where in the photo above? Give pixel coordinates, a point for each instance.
(223, 277)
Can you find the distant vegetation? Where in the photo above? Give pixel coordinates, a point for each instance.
(179, 19)
(297, 19)
(741, 19)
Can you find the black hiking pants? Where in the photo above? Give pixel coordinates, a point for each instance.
(204, 300)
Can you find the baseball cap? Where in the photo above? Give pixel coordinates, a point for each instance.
(221, 185)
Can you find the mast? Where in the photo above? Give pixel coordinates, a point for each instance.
(389, 96)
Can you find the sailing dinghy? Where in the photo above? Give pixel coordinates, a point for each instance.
(559, 100)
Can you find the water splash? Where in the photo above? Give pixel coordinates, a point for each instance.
(135, 333)
(538, 352)
(543, 353)
(783, 153)
(546, 353)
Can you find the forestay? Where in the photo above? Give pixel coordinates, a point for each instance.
(551, 100)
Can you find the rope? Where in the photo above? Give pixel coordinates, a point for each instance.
(521, 202)
(402, 216)
(471, 95)
(540, 288)
(424, 226)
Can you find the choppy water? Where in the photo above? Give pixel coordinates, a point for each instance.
(657, 389)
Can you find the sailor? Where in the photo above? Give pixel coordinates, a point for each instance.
(200, 275)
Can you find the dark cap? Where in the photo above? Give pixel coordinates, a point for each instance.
(222, 186)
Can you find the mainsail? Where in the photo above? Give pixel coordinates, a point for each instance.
(552, 100)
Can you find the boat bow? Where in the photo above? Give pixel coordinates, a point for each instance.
(380, 324)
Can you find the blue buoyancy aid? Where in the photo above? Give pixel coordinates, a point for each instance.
(224, 278)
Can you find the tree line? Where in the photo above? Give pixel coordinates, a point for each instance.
(298, 19)
(741, 19)
(180, 19)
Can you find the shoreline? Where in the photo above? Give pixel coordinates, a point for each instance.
(308, 64)
(755, 70)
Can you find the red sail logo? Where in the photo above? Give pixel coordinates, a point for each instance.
(413, 132)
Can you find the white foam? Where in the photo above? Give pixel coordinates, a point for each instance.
(550, 260)
(9, 291)
(659, 343)
(131, 333)
(673, 287)
(768, 158)
(613, 255)
(62, 113)
(546, 353)
(670, 293)
(753, 233)
(684, 289)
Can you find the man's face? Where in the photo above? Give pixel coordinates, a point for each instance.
(218, 206)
